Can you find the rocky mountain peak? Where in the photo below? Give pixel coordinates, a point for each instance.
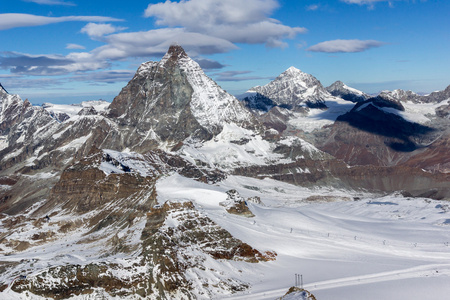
(294, 87)
(400, 95)
(336, 85)
(293, 71)
(2, 90)
(297, 74)
(175, 56)
(176, 52)
(340, 89)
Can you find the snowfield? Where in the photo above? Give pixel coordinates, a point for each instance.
(387, 247)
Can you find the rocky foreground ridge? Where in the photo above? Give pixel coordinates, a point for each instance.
(89, 181)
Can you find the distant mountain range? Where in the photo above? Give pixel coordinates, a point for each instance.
(95, 167)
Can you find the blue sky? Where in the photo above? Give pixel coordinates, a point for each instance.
(67, 51)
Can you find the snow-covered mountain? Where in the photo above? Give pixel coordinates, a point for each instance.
(340, 89)
(410, 96)
(294, 88)
(176, 190)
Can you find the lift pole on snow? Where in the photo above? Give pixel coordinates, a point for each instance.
(299, 280)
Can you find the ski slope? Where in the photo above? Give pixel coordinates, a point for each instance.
(387, 247)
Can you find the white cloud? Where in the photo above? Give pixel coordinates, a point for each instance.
(234, 20)
(8, 21)
(95, 30)
(74, 46)
(118, 46)
(156, 42)
(312, 7)
(364, 1)
(236, 76)
(370, 3)
(337, 46)
(51, 2)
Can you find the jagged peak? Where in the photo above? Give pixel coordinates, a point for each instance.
(3, 89)
(293, 69)
(176, 51)
(337, 84)
(339, 87)
(175, 54)
(294, 72)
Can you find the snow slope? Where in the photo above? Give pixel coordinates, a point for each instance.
(318, 118)
(373, 248)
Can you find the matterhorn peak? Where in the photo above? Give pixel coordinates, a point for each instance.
(171, 100)
(176, 50)
(175, 53)
(3, 90)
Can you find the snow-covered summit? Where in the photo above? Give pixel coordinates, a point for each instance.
(340, 89)
(294, 87)
(401, 95)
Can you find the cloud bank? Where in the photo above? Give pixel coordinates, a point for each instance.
(95, 30)
(8, 21)
(51, 2)
(236, 21)
(345, 46)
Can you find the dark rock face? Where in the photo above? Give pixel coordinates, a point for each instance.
(337, 174)
(373, 120)
(443, 111)
(83, 187)
(258, 102)
(434, 158)
(438, 96)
